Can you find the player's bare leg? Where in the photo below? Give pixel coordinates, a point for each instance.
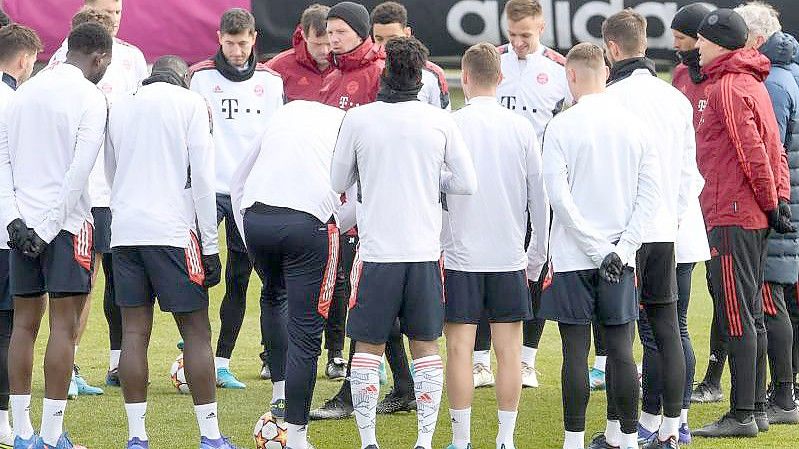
(460, 380)
(509, 378)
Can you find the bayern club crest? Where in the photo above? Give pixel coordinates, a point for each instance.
(542, 78)
(259, 90)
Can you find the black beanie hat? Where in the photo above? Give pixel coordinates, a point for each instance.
(726, 28)
(356, 16)
(689, 17)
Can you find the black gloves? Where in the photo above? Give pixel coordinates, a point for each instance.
(779, 219)
(17, 234)
(612, 268)
(34, 246)
(213, 270)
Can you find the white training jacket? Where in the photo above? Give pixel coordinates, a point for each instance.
(602, 179)
(62, 116)
(402, 156)
(160, 166)
(485, 232)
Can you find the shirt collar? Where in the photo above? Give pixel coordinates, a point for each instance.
(10, 81)
(483, 100)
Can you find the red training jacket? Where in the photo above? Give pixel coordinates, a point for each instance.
(355, 78)
(738, 146)
(695, 93)
(302, 79)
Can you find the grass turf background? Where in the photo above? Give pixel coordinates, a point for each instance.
(100, 422)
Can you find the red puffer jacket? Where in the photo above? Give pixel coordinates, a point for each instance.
(355, 78)
(302, 79)
(738, 146)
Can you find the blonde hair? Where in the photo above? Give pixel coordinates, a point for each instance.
(586, 54)
(481, 62)
(517, 10)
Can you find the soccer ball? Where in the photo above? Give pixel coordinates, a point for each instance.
(178, 375)
(269, 434)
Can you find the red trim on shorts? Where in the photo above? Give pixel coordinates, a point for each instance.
(443, 278)
(194, 263)
(768, 301)
(355, 278)
(548, 278)
(82, 246)
(331, 269)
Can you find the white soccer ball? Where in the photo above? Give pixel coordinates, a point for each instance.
(178, 375)
(269, 433)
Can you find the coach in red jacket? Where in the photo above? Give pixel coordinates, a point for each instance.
(357, 61)
(305, 65)
(746, 183)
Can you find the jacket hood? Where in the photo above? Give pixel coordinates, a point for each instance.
(780, 49)
(362, 55)
(301, 50)
(744, 61)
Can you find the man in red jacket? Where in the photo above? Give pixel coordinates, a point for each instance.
(305, 65)
(357, 62)
(746, 183)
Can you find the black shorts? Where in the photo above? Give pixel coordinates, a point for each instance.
(6, 303)
(503, 297)
(580, 297)
(383, 292)
(63, 269)
(174, 275)
(102, 229)
(657, 273)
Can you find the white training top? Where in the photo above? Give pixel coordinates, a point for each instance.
(534, 86)
(47, 187)
(602, 179)
(402, 155)
(160, 165)
(127, 70)
(485, 232)
(240, 110)
(692, 245)
(667, 118)
(6, 92)
(292, 168)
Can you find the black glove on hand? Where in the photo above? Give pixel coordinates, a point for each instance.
(213, 270)
(779, 222)
(34, 246)
(785, 209)
(611, 268)
(17, 234)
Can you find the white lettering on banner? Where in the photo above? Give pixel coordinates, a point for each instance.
(564, 26)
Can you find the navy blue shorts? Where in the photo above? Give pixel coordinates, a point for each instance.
(63, 269)
(503, 297)
(6, 303)
(174, 275)
(580, 297)
(102, 229)
(383, 292)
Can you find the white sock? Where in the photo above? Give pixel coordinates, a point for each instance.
(507, 426)
(221, 362)
(528, 356)
(599, 362)
(136, 413)
(684, 416)
(278, 391)
(21, 414)
(52, 420)
(629, 441)
(76, 352)
(461, 427)
(574, 440)
(208, 420)
(5, 424)
(113, 359)
(297, 437)
(482, 357)
(670, 427)
(428, 383)
(613, 433)
(365, 388)
(649, 421)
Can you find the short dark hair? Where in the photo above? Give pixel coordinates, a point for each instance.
(87, 14)
(16, 38)
(314, 16)
(405, 59)
(481, 61)
(4, 19)
(390, 12)
(627, 29)
(237, 20)
(171, 62)
(517, 10)
(90, 38)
